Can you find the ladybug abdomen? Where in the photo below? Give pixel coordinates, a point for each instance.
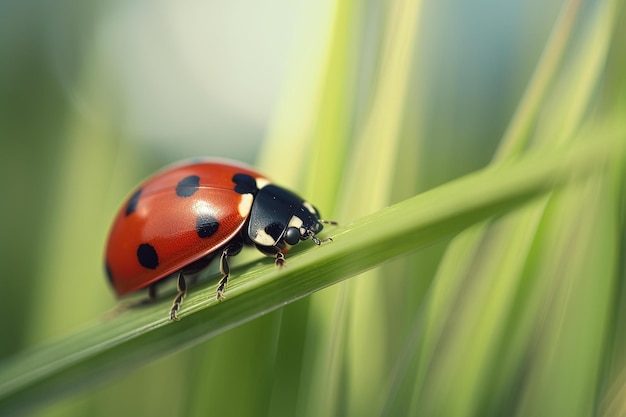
(174, 219)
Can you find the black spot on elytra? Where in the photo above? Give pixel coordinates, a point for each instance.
(206, 225)
(132, 202)
(245, 184)
(188, 186)
(147, 256)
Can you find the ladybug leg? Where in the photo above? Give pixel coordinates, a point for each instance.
(152, 292)
(279, 259)
(317, 241)
(230, 250)
(152, 296)
(311, 235)
(181, 285)
(274, 251)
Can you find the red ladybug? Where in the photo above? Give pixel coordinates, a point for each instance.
(182, 217)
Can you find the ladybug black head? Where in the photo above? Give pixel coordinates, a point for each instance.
(278, 216)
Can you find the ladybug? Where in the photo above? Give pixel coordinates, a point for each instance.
(181, 218)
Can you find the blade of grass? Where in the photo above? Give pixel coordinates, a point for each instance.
(515, 139)
(370, 165)
(573, 276)
(508, 244)
(141, 335)
(517, 135)
(322, 146)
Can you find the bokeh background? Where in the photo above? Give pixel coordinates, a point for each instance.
(356, 104)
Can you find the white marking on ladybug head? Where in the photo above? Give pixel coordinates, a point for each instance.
(309, 207)
(295, 222)
(245, 205)
(264, 239)
(261, 182)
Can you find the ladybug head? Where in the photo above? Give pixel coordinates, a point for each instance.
(278, 216)
(304, 224)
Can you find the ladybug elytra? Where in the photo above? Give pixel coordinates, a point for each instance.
(181, 218)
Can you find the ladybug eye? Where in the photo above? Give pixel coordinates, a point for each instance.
(292, 235)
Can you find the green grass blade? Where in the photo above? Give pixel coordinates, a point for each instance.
(518, 133)
(140, 335)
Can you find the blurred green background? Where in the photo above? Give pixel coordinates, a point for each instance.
(358, 105)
